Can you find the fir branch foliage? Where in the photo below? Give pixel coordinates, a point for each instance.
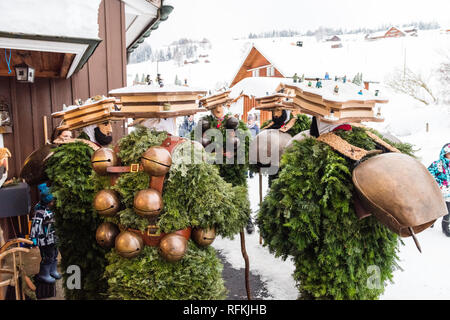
(197, 276)
(69, 170)
(236, 174)
(137, 142)
(302, 123)
(308, 214)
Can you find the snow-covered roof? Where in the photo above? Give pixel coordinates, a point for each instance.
(380, 34)
(61, 18)
(257, 86)
(58, 26)
(142, 17)
(313, 60)
(148, 89)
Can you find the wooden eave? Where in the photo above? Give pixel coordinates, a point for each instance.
(50, 56)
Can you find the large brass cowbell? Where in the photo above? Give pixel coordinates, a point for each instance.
(102, 159)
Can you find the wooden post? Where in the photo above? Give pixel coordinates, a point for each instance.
(428, 127)
(45, 130)
(247, 265)
(260, 199)
(16, 277)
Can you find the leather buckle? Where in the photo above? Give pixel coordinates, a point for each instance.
(152, 231)
(134, 168)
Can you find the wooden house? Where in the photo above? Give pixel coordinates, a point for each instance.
(277, 61)
(78, 49)
(333, 39)
(393, 32)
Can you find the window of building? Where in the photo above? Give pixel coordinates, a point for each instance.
(255, 73)
(270, 71)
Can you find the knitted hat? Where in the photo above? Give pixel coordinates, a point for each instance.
(44, 194)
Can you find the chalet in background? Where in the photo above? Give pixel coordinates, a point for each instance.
(393, 32)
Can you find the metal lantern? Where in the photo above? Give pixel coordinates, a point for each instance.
(204, 237)
(148, 203)
(156, 161)
(24, 73)
(129, 244)
(102, 159)
(106, 203)
(173, 247)
(106, 234)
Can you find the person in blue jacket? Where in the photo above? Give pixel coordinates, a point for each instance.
(187, 126)
(440, 169)
(43, 235)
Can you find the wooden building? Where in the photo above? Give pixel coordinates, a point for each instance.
(255, 64)
(333, 39)
(393, 32)
(69, 64)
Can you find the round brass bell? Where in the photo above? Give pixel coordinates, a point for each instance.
(33, 170)
(236, 142)
(204, 237)
(205, 124)
(206, 142)
(106, 203)
(156, 161)
(232, 123)
(173, 247)
(102, 159)
(148, 203)
(129, 244)
(106, 234)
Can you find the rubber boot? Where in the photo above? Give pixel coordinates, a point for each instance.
(54, 271)
(44, 274)
(445, 225)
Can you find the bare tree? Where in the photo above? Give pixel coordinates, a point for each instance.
(444, 77)
(413, 84)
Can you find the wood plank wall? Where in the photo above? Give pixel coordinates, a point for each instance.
(249, 104)
(29, 103)
(105, 70)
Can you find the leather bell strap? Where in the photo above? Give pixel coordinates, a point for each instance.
(125, 169)
(153, 240)
(169, 144)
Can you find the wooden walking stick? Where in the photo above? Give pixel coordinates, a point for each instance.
(260, 199)
(46, 140)
(247, 265)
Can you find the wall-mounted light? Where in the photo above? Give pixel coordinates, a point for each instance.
(24, 73)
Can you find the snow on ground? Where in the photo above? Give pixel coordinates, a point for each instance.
(275, 272)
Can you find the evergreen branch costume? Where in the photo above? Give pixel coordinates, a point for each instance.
(69, 170)
(194, 196)
(234, 173)
(309, 214)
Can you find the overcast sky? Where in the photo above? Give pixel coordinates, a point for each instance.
(237, 18)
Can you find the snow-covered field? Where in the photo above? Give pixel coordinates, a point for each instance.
(423, 276)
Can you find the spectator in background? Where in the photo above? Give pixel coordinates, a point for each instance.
(187, 126)
(61, 136)
(252, 125)
(440, 170)
(254, 130)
